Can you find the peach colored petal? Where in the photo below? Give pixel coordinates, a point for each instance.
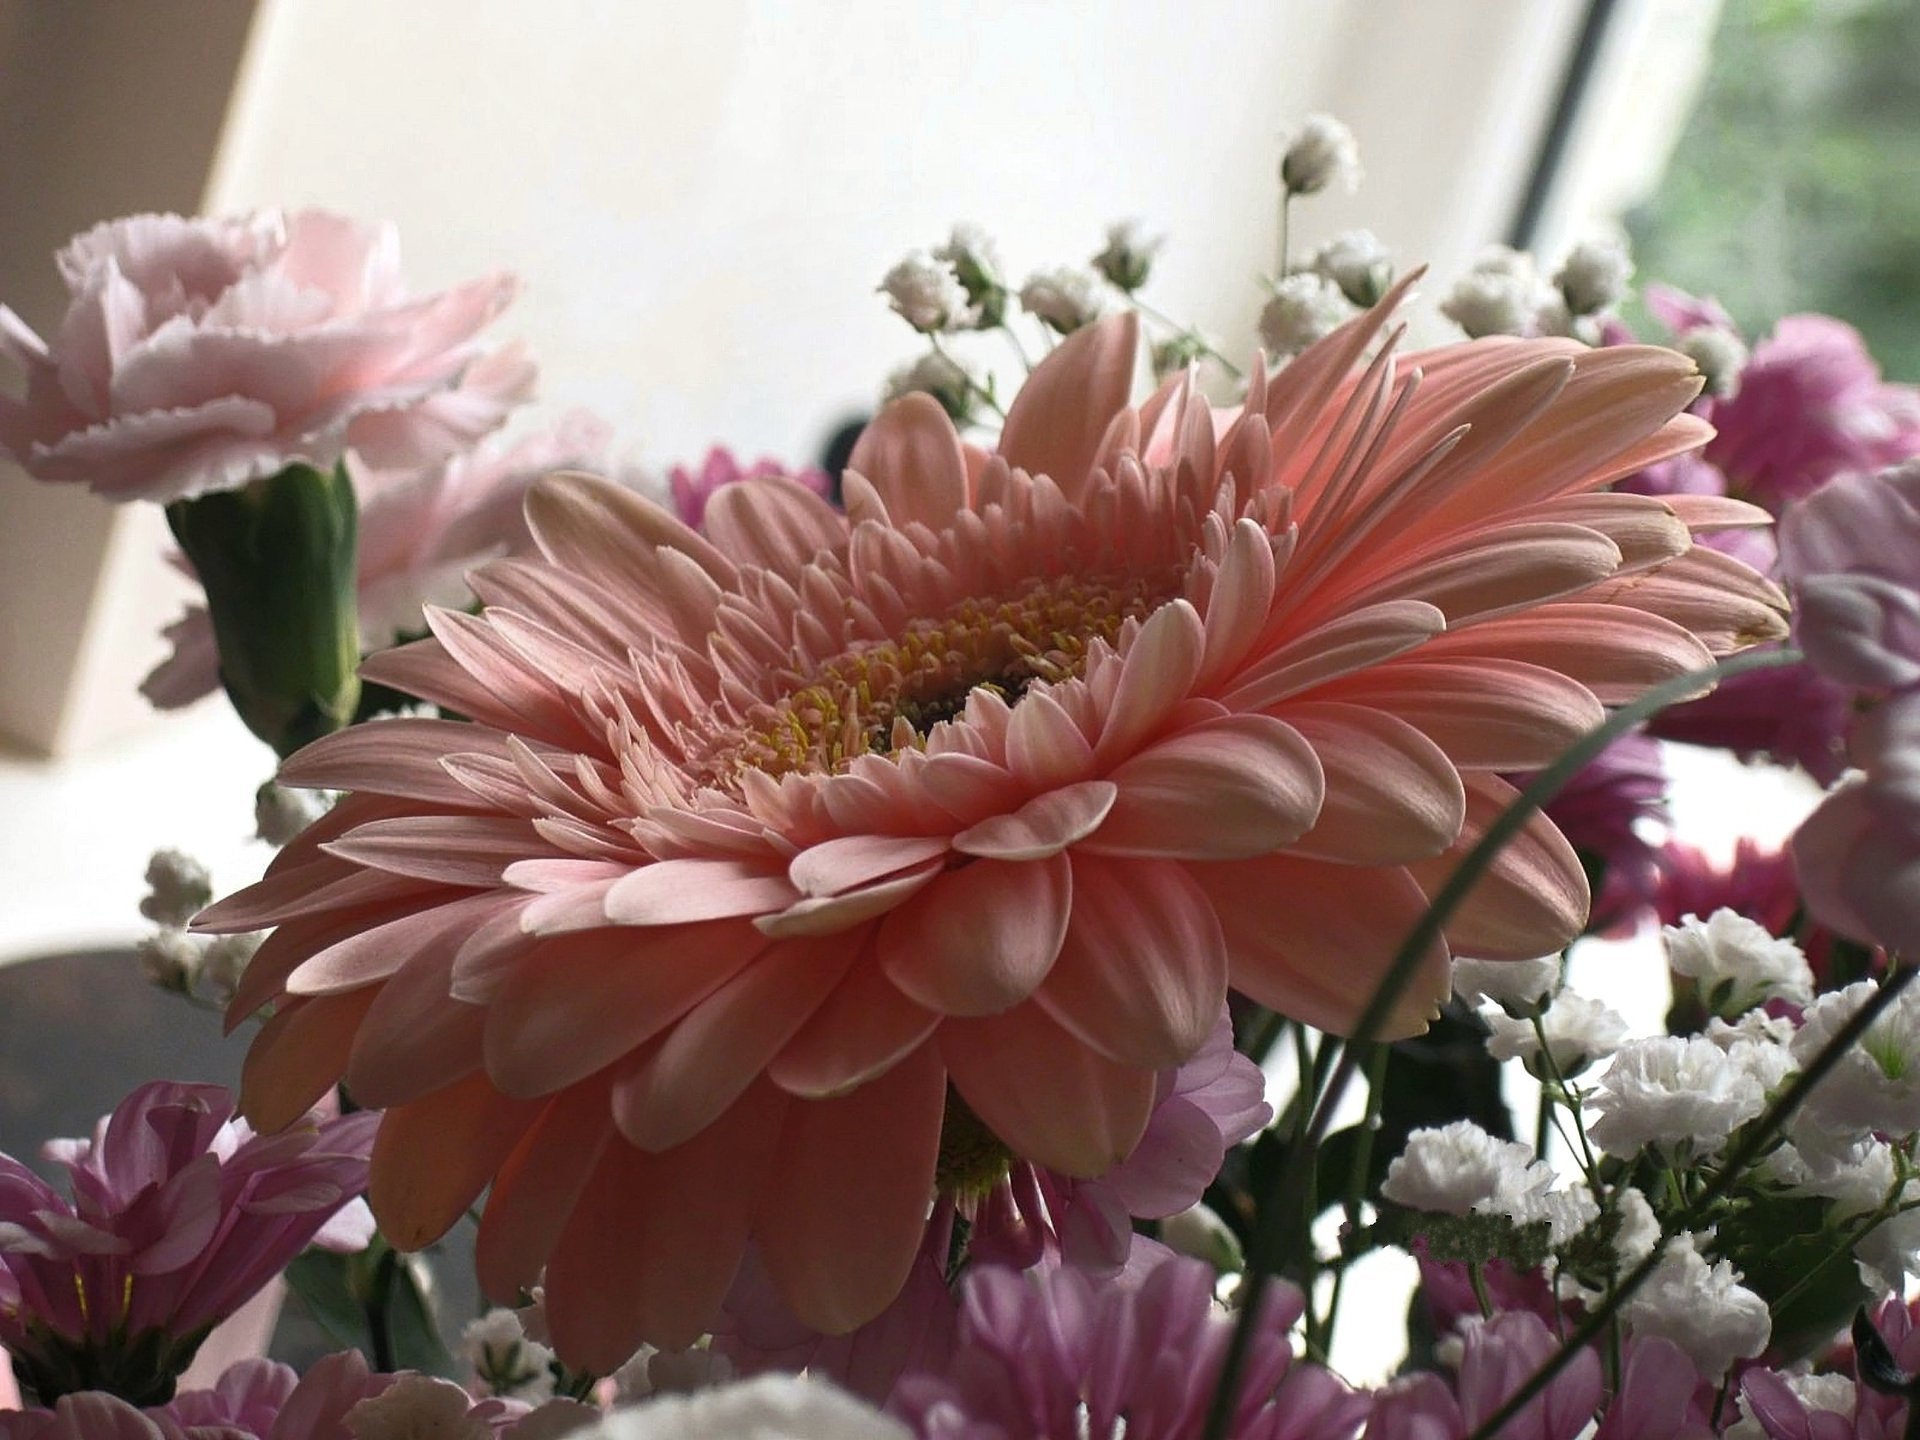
(1391, 793)
(1142, 972)
(298, 1056)
(864, 1029)
(776, 524)
(1367, 636)
(1531, 901)
(537, 1188)
(849, 861)
(981, 937)
(571, 1006)
(1056, 422)
(434, 1156)
(1054, 1101)
(375, 953)
(1156, 674)
(839, 1264)
(1226, 789)
(1044, 746)
(654, 1239)
(1485, 712)
(718, 1048)
(401, 757)
(1616, 652)
(594, 528)
(910, 454)
(835, 914)
(1300, 947)
(680, 892)
(1045, 825)
(414, 1038)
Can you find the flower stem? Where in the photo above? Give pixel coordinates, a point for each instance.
(1277, 1222)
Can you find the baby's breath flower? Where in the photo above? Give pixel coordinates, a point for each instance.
(224, 960)
(1304, 308)
(1128, 258)
(171, 959)
(1459, 1169)
(1356, 262)
(1594, 275)
(1063, 298)
(1703, 1308)
(1514, 984)
(976, 264)
(179, 887)
(1501, 295)
(1579, 1031)
(1737, 963)
(504, 1361)
(928, 295)
(1874, 1087)
(1721, 356)
(941, 376)
(1177, 352)
(1320, 153)
(280, 813)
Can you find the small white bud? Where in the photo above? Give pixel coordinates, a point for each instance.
(976, 264)
(1203, 1235)
(1305, 307)
(224, 960)
(170, 959)
(1063, 298)
(1322, 152)
(1578, 1030)
(1721, 356)
(504, 1361)
(1500, 295)
(940, 376)
(1356, 262)
(1594, 275)
(1514, 984)
(280, 813)
(927, 295)
(179, 888)
(1128, 258)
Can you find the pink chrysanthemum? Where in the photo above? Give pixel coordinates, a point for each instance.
(179, 1215)
(771, 847)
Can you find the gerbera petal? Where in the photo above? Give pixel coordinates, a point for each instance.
(415, 1037)
(654, 1240)
(849, 861)
(298, 1056)
(1300, 947)
(910, 454)
(1156, 674)
(1486, 712)
(866, 1026)
(1391, 793)
(537, 1187)
(1228, 788)
(435, 1155)
(681, 892)
(1045, 825)
(713, 1054)
(980, 938)
(1142, 972)
(1056, 422)
(838, 1264)
(1051, 1099)
(775, 523)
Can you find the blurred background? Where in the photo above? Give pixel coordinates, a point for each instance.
(701, 201)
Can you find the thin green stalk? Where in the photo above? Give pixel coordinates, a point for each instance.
(1757, 1139)
(1278, 1221)
(975, 386)
(1174, 325)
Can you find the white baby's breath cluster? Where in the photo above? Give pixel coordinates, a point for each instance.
(1506, 292)
(1063, 298)
(928, 295)
(1702, 1307)
(1875, 1087)
(1320, 154)
(1577, 1032)
(1305, 307)
(1460, 1169)
(207, 967)
(503, 1361)
(1737, 963)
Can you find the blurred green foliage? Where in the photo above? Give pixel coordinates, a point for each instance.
(1797, 183)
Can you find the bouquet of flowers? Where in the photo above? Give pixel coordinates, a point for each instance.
(980, 945)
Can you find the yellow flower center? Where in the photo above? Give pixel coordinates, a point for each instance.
(884, 696)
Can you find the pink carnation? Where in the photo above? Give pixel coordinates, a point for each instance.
(420, 532)
(1852, 555)
(692, 490)
(1811, 407)
(199, 355)
(179, 1215)
(1859, 853)
(1054, 1353)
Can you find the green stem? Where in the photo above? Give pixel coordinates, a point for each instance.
(1172, 324)
(1277, 1222)
(975, 386)
(1751, 1145)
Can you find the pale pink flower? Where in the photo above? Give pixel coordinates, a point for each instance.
(1858, 855)
(420, 531)
(1056, 1353)
(766, 839)
(1790, 714)
(198, 355)
(1851, 554)
(179, 1215)
(1500, 1355)
(692, 489)
(1659, 1396)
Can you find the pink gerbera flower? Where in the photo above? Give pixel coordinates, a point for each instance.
(774, 844)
